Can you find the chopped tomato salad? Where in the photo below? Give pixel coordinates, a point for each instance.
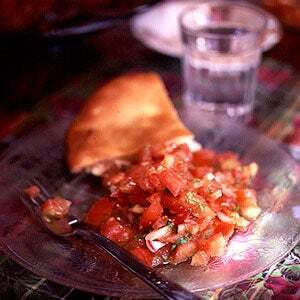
(172, 205)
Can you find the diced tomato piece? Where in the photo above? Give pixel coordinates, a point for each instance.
(137, 175)
(146, 178)
(205, 234)
(160, 222)
(99, 212)
(178, 160)
(216, 205)
(154, 182)
(223, 202)
(229, 161)
(172, 182)
(215, 245)
(205, 222)
(123, 214)
(55, 208)
(201, 171)
(246, 196)
(152, 212)
(33, 191)
(116, 232)
(136, 241)
(172, 203)
(200, 259)
(204, 157)
(183, 252)
(155, 197)
(183, 153)
(143, 255)
(138, 197)
(226, 229)
(180, 217)
(247, 202)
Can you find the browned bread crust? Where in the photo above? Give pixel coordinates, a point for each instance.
(121, 117)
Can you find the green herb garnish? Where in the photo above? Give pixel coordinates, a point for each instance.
(191, 198)
(238, 209)
(208, 233)
(182, 240)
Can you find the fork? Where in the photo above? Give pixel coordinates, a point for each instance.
(71, 225)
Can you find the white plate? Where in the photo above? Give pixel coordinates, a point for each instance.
(158, 28)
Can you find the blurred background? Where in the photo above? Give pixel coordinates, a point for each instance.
(45, 43)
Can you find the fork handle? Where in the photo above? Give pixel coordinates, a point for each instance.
(165, 287)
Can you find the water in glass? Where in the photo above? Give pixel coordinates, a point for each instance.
(221, 56)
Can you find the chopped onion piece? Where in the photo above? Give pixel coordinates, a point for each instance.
(159, 233)
(154, 246)
(193, 145)
(188, 227)
(216, 195)
(252, 169)
(168, 161)
(242, 222)
(250, 212)
(209, 176)
(181, 229)
(224, 218)
(137, 209)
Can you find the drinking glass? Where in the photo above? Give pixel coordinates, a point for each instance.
(222, 50)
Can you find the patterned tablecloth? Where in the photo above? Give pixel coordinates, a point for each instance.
(276, 114)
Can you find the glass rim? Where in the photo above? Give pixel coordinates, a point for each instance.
(196, 7)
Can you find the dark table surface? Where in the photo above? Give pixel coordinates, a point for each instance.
(41, 76)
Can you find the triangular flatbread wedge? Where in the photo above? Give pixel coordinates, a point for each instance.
(121, 117)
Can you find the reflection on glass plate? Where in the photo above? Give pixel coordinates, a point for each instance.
(74, 263)
(158, 27)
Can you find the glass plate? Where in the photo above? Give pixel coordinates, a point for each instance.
(75, 263)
